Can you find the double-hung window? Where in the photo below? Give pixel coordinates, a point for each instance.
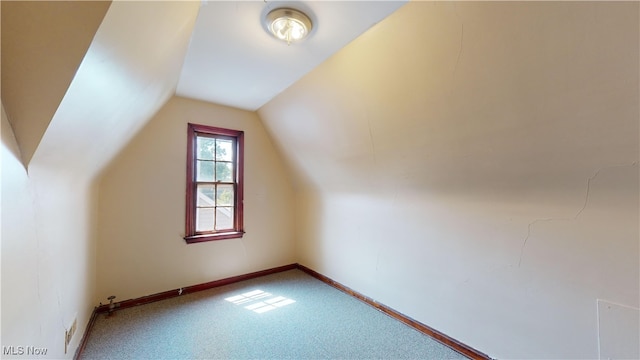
(214, 183)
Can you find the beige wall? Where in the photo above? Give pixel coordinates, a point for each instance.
(49, 212)
(43, 42)
(130, 70)
(475, 166)
(48, 250)
(142, 208)
(472, 165)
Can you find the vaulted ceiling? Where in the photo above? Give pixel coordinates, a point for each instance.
(79, 78)
(233, 61)
(33, 35)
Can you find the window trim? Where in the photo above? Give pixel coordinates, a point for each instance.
(190, 227)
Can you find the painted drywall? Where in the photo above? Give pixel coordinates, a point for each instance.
(618, 331)
(247, 67)
(48, 267)
(129, 71)
(43, 42)
(475, 166)
(141, 249)
(49, 212)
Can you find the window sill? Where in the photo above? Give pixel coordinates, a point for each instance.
(213, 237)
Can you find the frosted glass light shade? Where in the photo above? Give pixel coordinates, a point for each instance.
(288, 24)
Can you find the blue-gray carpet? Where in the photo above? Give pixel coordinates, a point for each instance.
(288, 315)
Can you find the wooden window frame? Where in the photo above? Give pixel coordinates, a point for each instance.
(191, 235)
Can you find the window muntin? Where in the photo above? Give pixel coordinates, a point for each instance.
(214, 183)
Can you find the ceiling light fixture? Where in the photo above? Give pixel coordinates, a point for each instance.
(288, 24)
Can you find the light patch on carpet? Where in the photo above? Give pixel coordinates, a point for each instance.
(260, 306)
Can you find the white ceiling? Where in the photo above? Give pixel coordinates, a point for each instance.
(233, 61)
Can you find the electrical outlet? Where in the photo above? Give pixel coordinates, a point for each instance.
(68, 334)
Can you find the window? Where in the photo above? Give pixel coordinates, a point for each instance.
(214, 183)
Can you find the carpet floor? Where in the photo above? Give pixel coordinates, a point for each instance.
(288, 315)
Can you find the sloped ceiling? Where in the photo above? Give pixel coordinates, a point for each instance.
(43, 44)
(455, 139)
(482, 98)
(129, 72)
(141, 53)
(233, 61)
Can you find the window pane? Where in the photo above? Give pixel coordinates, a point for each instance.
(205, 147)
(224, 218)
(206, 196)
(204, 219)
(224, 172)
(224, 150)
(225, 195)
(214, 183)
(204, 170)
